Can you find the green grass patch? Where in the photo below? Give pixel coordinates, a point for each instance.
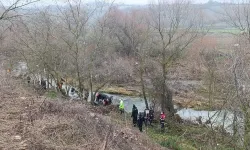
(169, 140)
(172, 142)
(226, 30)
(190, 137)
(52, 94)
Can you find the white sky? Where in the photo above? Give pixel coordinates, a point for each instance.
(133, 2)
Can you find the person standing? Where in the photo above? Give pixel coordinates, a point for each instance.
(134, 115)
(146, 116)
(140, 121)
(28, 79)
(121, 106)
(162, 120)
(43, 83)
(151, 116)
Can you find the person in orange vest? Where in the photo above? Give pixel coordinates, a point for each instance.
(162, 120)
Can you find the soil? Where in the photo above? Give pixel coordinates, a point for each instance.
(31, 121)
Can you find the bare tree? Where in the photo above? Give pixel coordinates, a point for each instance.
(75, 24)
(9, 10)
(99, 62)
(132, 31)
(237, 15)
(87, 44)
(176, 25)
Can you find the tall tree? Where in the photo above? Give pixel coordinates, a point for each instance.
(175, 25)
(237, 15)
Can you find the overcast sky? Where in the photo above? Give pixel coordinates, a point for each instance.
(133, 2)
(137, 1)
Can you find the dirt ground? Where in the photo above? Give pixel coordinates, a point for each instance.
(33, 122)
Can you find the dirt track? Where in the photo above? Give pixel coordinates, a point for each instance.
(28, 121)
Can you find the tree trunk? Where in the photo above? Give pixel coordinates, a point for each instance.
(92, 97)
(235, 125)
(79, 83)
(47, 72)
(142, 84)
(167, 100)
(170, 106)
(163, 96)
(246, 129)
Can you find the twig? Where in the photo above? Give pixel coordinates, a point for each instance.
(42, 103)
(182, 134)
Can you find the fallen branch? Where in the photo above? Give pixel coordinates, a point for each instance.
(104, 145)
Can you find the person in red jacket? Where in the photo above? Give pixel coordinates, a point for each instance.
(162, 120)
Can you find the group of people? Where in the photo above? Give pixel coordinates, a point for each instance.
(145, 117)
(139, 118)
(103, 98)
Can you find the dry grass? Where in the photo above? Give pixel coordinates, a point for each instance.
(120, 91)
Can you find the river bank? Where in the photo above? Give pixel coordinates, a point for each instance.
(186, 93)
(177, 136)
(184, 96)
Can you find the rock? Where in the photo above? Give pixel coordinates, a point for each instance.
(23, 145)
(92, 115)
(17, 138)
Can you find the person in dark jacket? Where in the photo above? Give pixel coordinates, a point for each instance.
(28, 79)
(43, 83)
(146, 116)
(151, 116)
(140, 121)
(101, 96)
(134, 114)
